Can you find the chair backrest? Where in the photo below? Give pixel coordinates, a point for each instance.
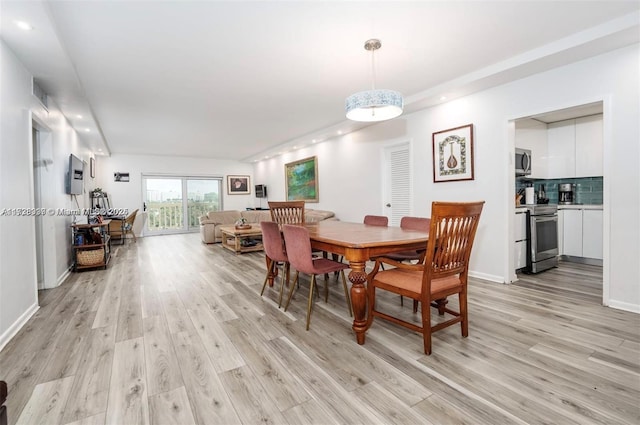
(131, 218)
(376, 220)
(272, 241)
(296, 239)
(288, 212)
(453, 229)
(415, 223)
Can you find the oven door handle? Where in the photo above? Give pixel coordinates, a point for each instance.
(543, 218)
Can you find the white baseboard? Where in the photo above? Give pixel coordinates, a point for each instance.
(620, 305)
(17, 325)
(64, 276)
(485, 276)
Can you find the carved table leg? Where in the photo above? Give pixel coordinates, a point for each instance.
(358, 277)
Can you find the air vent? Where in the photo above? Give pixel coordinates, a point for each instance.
(40, 94)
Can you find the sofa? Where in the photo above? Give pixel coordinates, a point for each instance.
(211, 222)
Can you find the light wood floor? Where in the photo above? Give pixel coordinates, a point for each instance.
(175, 331)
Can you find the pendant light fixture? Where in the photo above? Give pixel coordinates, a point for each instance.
(375, 104)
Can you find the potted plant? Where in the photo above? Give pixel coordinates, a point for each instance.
(241, 224)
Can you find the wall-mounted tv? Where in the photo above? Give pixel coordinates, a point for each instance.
(75, 176)
(261, 191)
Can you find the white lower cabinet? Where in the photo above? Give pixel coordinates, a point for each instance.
(521, 240)
(592, 234)
(572, 233)
(581, 233)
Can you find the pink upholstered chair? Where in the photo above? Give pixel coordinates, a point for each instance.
(376, 220)
(411, 223)
(274, 248)
(298, 247)
(443, 273)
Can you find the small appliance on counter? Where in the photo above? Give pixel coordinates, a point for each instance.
(542, 196)
(566, 194)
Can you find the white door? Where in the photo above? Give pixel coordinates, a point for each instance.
(397, 187)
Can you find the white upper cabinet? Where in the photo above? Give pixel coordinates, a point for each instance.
(532, 135)
(589, 146)
(575, 148)
(561, 139)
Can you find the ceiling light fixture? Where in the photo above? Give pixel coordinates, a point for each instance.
(23, 25)
(375, 104)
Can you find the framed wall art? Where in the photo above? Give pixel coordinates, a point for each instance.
(121, 177)
(238, 185)
(453, 154)
(301, 180)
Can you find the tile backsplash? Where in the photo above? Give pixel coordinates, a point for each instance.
(588, 189)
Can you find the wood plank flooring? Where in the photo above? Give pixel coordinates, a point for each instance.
(175, 332)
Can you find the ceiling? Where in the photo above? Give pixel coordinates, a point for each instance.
(243, 80)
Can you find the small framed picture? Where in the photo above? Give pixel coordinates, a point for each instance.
(121, 177)
(238, 185)
(453, 154)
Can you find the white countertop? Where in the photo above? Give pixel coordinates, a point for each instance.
(580, 207)
(523, 208)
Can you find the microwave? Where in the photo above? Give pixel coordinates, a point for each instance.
(523, 162)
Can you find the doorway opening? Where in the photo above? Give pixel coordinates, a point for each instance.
(566, 161)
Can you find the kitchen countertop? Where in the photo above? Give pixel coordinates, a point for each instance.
(523, 208)
(580, 207)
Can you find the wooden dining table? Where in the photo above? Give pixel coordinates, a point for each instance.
(357, 243)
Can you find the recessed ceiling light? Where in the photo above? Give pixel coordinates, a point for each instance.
(78, 116)
(443, 97)
(99, 150)
(23, 25)
(313, 141)
(339, 132)
(87, 130)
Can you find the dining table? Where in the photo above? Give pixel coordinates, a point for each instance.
(358, 243)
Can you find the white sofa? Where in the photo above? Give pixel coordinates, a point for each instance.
(210, 223)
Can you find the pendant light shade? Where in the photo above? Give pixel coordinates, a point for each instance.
(375, 104)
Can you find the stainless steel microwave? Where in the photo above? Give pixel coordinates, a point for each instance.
(523, 162)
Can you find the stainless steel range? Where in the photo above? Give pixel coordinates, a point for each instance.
(542, 237)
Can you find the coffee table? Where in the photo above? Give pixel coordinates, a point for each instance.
(232, 238)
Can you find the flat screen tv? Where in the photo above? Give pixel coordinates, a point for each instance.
(75, 176)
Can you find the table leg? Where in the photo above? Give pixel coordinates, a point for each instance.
(358, 277)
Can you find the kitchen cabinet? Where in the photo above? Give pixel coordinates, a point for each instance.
(592, 234)
(520, 240)
(589, 149)
(575, 148)
(580, 232)
(532, 135)
(561, 149)
(572, 233)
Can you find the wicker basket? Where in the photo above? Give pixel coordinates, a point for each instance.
(90, 257)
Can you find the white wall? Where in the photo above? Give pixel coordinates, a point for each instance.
(129, 194)
(19, 110)
(349, 166)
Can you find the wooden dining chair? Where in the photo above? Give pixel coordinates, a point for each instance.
(298, 247)
(287, 212)
(274, 248)
(443, 273)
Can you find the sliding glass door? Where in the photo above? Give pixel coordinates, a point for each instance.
(175, 203)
